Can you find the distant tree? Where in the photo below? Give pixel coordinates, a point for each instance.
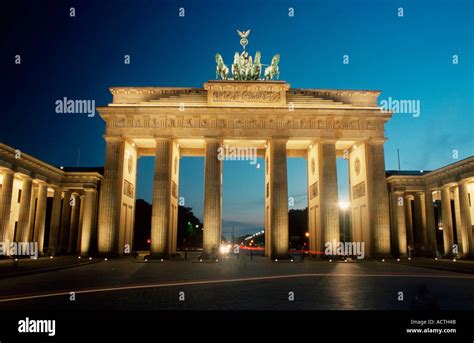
(142, 229)
(189, 226)
(297, 226)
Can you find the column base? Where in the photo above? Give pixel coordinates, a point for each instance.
(205, 256)
(282, 257)
(158, 256)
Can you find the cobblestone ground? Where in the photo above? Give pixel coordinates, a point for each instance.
(239, 284)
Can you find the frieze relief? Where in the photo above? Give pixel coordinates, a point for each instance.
(246, 96)
(284, 122)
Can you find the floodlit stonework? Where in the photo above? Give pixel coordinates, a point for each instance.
(28, 185)
(92, 211)
(280, 122)
(427, 192)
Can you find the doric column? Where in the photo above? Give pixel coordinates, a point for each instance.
(65, 222)
(160, 217)
(110, 196)
(278, 199)
(268, 231)
(448, 235)
(40, 217)
(329, 192)
(34, 196)
(420, 223)
(79, 227)
(24, 213)
(53, 245)
(461, 235)
(174, 204)
(398, 222)
(378, 198)
(212, 197)
(466, 221)
(74, 227)
(5, 204)
(88, 221)
(409, 222)
(430, 225)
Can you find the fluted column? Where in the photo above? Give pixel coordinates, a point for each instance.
(409, 222)
(40, 217)
(34, 196)
(399, 222)
(160, 217)
(430, 225)
(461, 235)
(74, 227)
(24, 213)
(448, 235)
(65, 223)
(420, 223)
(379, 207)
(329, 192)
(466, 221)
(212, 197)
(278, 199)
(88, 221)
(79, 227)
(53, 245)
(6, 204)
(110, 195)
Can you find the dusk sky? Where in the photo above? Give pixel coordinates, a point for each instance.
(407, 58)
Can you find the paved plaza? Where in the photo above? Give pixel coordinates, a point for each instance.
(235, 284)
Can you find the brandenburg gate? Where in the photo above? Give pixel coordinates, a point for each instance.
(245, 111)
(280, 122)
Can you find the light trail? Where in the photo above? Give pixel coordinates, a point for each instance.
(220, 281)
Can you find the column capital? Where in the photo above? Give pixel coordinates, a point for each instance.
(464, 181)
(380, 140)
(327, 141)
(213, 139)
(41, 182)
(24, 177)
(113, 138)
(278, 139)
(399, 192)
(6, 171)
(447, 185)
(163, 139)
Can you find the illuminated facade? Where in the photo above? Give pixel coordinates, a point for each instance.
(52, 206)
(279, 122)
(429, 207)
(92, 211)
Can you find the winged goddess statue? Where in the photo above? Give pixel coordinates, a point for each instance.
(243, 35)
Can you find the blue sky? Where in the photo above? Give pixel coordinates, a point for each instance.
(407, 57)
